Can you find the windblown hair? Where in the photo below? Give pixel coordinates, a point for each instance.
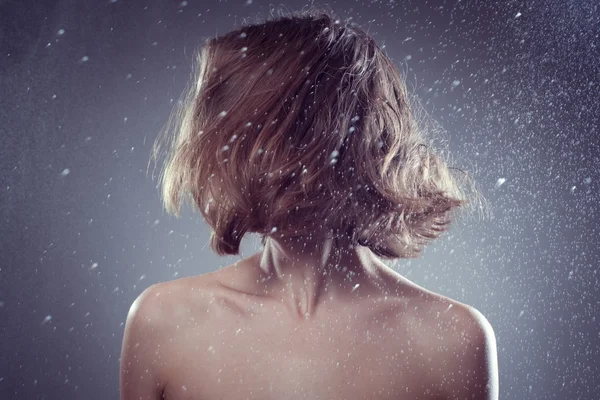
(302, 126)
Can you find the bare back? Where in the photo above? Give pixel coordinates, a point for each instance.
(227, 344)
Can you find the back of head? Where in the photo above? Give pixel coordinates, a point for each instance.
(300, 126)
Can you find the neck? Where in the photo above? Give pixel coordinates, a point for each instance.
(305, 273)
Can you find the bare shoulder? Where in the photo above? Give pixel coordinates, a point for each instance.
(461, 342)
(474, 359)
(461, 321)
(176, 295)
(160, 305)
(142, 355)
(456, 321)
(452, 316)
(147, 307)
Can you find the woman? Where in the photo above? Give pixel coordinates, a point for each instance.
(301, 129)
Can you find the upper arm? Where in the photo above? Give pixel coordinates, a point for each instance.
(141, 356)
(474, 374)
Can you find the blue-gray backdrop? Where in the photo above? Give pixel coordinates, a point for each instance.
(86, 86)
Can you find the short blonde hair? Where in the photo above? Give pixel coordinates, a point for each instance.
(299, 126)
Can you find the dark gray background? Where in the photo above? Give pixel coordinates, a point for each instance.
(515, 84)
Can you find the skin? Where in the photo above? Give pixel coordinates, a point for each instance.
(290, 323)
